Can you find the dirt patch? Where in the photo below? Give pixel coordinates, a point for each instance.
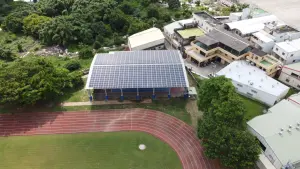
(192, 108)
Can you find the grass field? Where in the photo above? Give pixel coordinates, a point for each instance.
(253, 108)
(117, 150)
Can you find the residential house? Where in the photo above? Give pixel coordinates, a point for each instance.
(290, 75)
(288, 51)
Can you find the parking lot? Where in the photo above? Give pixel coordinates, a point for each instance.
(205, 71)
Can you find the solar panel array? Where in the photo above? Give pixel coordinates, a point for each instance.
(137, 69)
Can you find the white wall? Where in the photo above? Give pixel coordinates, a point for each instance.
(257, 94)
(293, 81)
(202, 23)
(268, 152)
(289, 57)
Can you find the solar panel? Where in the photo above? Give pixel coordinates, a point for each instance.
(138, 69)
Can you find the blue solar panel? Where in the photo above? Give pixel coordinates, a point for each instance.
(138, 69)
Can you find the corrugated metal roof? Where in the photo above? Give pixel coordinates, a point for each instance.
(139, 40)
(282, 115)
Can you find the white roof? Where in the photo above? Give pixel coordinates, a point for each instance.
(237, 13)
(295, 99)
(252, 25)
(290, 46)
(146, 39)
(244, 73)
(177, 24)
(285, 146)
(263, 36)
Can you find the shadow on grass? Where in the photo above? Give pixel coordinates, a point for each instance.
(174, 107)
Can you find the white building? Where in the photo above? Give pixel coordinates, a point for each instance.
(273, 33)
(290, 75)
(288, 52)
(279, 134)
(150, 39)
(254, 83)
(248, 26)
(170, 33)
(206, 21)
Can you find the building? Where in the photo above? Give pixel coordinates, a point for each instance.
(288, 52)
(264, 61)
(151, 39)
(185, 35)
(273, 33)
(290, 75)
(170, 33)
(246, 27)
(217, 45)
(137, 75)
(278, 132)
(253, 82)
(205, 21)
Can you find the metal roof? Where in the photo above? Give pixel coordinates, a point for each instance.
(290, 46)
(246, 74)
(206, 40)
(258, 52)
(145, 39)
(229, 39)
(137, 69)
(248, 26)
(282, 115)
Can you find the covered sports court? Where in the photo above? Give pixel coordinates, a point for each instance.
(135, 75)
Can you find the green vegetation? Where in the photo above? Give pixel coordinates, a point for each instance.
(190, 32)
(291, 92)
(222, 128)
(11, 41)
(33, 79)
(89, 151)
(253, 108)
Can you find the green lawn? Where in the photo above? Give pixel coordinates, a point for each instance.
(116, 150)
(253, 108)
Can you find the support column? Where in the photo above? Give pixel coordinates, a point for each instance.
(90, 95)
(169, 95)
(106, 97)
(121, 97)
(186, 93)
(153, 95)
(137, 94)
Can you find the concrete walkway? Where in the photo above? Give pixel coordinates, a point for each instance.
(109, 102)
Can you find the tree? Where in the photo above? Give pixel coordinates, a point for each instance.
(72, 65)
(31, 79)
(85, 52)
(137, 26)
(214, 89)
(118, 22)
(14, 21)
(97, 45)
(33, 23)
(222, 129)
(127, 7)
(53, 8)
(6, 55)
(152, 12)
(174, 4)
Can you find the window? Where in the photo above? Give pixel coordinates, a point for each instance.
(294, 61)
(283, 53)
(295, 75)
(253, 91)
(240, 85)
(287, 80)
(256, 57)
(276, 49)
(250, 94)
(298, 86)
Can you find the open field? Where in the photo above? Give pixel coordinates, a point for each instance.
(253, 108)
(114, 150)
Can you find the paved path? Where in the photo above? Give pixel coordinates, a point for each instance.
(180, 136)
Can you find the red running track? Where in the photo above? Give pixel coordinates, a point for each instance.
(180, 136)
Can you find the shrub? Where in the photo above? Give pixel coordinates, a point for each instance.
(20, 48)
(97, 45)
(85, 53)
(72, 65)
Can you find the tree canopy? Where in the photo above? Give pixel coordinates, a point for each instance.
(65, 22)
(29, 80)
(222, 128)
